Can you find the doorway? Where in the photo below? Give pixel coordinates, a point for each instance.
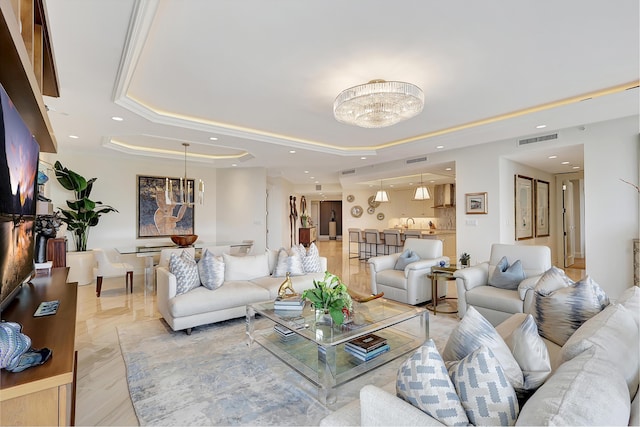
(330, 209)
(572, 220)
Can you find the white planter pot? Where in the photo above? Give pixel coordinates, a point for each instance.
(80, 267)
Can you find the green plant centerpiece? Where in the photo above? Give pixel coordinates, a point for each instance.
(465, 258)
(330, 295)
(83, 212)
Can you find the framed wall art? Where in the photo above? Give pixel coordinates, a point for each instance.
(159, 212)
(542, 208)
(523, 207)
(476, 203)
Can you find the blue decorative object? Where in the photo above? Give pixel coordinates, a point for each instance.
(442, 263)
(42, 178)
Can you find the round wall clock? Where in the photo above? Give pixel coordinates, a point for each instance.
(356, 211)
(371, 210)
(380, 216)
(350, 198)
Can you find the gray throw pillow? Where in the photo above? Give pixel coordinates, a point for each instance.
(507, 276)
(211, 270)
(185, 269)
(406, 258)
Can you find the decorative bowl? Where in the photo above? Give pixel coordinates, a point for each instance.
(184, 240)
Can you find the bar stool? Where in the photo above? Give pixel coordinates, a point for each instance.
(410, 234)
(392, 240)
(372, 237)
(355, 236)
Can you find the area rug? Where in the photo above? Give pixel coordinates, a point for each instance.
(212, 377)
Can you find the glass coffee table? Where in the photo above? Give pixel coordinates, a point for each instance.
(317, 350)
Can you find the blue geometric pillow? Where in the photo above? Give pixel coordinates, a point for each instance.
(424, 382)
(185, 269)
(507, 276)
(406, 258)
(483, 389)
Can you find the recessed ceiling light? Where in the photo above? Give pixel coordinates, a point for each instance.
(363, 158)
(576, 167)
(317, 182)
(432, 181)
(541, 126)
(234, 165)
(306, 171)
(565, 163)
(292, 151)
(553, 157)
(117, 119)
(439, 147)
(448, 169)
(213, 138)
(312, 177)
(74, 136)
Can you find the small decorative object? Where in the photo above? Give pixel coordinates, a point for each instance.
(371, 210)
(356, 211)
(372, 202)
(350, 198)
(47, 227)
(184, 240)
(465, 258)
(304, 219)
(330, 296)
(476, 203)
(380, 216)
(286, 287)
(442, 263)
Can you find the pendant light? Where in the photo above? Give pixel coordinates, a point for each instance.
(185, 188)
(422, 192)
(381, 195)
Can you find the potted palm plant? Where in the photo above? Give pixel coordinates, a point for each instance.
(83, 212)
(330, 296)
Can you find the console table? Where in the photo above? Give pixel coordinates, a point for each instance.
(44, 394)
(306, 236)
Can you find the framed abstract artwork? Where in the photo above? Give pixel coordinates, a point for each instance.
(476, 203)
(159, 212)
(542, 208)
(523, 202)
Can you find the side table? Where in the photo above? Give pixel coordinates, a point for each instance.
(438, 272)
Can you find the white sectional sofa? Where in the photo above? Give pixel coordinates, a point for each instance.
(248, 280)
(594, 379)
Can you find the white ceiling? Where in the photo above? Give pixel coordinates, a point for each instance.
(261, 77)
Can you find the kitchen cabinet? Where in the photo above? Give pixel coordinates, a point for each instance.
(444, 196)
(412, 208)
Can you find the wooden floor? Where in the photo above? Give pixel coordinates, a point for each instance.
(102, 394)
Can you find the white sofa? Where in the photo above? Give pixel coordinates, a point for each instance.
(497, 304)
(413, 284)
(594, 379)
(247, 280)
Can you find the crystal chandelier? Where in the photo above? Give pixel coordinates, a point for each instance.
(422, 192)
(185, 194)
(378, 104)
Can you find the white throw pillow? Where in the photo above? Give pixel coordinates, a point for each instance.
(474, 331)
(630, 299)
(211, 270)
(185, 269)
(552, 280)
(288, 262)
(483, 388)
(423, 381)
(530, 352)
(246, 267)
(311, 261)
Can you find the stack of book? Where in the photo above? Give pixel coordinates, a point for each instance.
(367, 347)
(285, 333)
(291, 303)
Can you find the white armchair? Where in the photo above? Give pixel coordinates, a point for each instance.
(413, 284)
(497, 304)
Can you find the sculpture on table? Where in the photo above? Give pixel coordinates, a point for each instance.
(293, 219)
(286, 288)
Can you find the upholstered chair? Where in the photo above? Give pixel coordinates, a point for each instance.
(355, 236)
(495, 303)
(106, 268)
(392, 240)
(410, 284)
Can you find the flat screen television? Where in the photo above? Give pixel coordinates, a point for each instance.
(19, 153)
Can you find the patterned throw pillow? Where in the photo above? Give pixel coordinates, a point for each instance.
(424, 382)
(484, 391)
(530, 352)
(474, 331)
(406, 258)
(507, 276)
(552, 280)
(211, 270)
(560, 313)
(288, 262)
(311, 261)
(185, 269)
